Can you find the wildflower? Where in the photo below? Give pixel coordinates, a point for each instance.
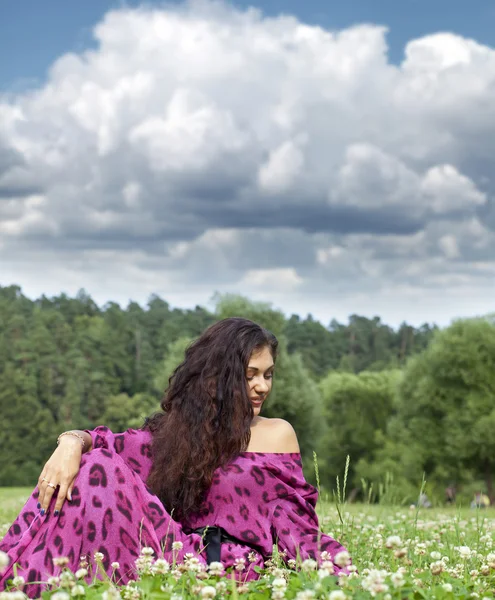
(309, 565)
(337, 595)
(160, 566)
(291, 563)
(111, 594)
(67, 580)
(342, 559)
(60, 596)
(447, 587)
(437, 567)
(81, 573)
(177, 545)
(243, 589)
(435, 555)
(400, 553)
(221, 586)
(98, 556)
(464, 551)
(305, 595)
(485, 570)
(397, 579)
(279, 583)
(18, 582)
(216, 568)
(61, 561)
(115, 565)
(490, 560)
(147, 551)
(393, 541)
(208, 592)
(4, 561)
(326, 569)
(240, 564)
(54, 581)
(78, 590)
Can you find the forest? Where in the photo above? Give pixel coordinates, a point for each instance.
(406, 405)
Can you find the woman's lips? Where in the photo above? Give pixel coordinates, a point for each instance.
(256, 401)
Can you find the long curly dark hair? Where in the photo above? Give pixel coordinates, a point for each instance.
(207, 413)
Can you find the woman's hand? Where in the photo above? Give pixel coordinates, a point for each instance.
(60, 471)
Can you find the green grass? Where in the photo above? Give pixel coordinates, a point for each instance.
(400, 553)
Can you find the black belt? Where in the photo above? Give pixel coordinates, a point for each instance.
(213, 537)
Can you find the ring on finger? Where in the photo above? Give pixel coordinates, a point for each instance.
(52, 485)
(44, 479)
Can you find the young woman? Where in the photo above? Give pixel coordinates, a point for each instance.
(207, 471)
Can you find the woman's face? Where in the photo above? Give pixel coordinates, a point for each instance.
(259, 375)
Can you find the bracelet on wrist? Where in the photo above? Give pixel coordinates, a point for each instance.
(74, 434)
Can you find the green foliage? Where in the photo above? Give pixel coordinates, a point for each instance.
(446, 414)
(67, 363)
(357, 409)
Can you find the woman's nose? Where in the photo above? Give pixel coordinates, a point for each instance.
(261, 386)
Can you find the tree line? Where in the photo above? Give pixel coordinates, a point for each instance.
(400, 402)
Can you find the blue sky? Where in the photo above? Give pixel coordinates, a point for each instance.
(34, 33)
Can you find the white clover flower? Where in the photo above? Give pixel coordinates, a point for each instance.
(15, 595)
(208, 592)
(160, 566)
(67, 579)
(397, 579)
(279, 583)
(221, 586)
(337, 595)
(81, 573)
(464, 551)
(447, 587)
(98, 556)
(147, 551)
(60, 596)
(291, 563)
(177, 545)
(393, 541)
(60, 561)
(240, 564)
(111, 594)
(309, 565)
(490, 559)
(115, 565)
(485, 570)
(435, 555)
(78, 590)
(216, 568)
(4, 561)
(18, 581)
(437, 567)
(342, 559)
(53, 580)
(305, 595)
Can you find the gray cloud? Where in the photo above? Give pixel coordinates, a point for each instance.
(200, 147)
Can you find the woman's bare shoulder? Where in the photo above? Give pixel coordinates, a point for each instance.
(273, 435)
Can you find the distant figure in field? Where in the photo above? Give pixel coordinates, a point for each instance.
(232, 479)
(480, 501)
(450, 494)
(424, 501)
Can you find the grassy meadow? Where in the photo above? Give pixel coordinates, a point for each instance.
(399, 552)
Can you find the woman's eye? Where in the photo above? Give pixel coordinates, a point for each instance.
(270, 376)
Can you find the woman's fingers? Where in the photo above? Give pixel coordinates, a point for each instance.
(61, 495)
(46, 494)
(69, 491)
